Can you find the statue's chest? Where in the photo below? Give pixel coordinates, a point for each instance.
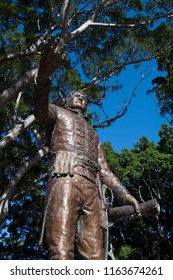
(72, 132)
(86, 139)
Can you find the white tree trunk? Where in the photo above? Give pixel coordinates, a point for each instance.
(15, 131)
(13, 91)
(10, 189)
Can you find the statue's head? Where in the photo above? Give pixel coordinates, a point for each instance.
(77, 100)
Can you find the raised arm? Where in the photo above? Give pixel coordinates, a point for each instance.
(111, 181)
(52, 55)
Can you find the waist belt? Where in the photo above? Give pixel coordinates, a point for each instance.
(89, 164)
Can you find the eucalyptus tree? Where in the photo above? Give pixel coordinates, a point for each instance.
(146, 170)
(162, 84)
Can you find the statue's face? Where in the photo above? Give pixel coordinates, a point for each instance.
(77, 101)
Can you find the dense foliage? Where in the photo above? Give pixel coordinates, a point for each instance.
(102, 38)
(146, 170)
(163, 83)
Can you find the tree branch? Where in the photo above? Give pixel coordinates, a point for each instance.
(15, 131)
(17, 106)
(10, 189)
(130, 25)
(79, 30)
(109, 121)
(89, 22)
(12, 92)
(32, 50)
(65, 12)
(99, 9)
(32, 183)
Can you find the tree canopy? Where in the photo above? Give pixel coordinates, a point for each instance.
(146, 170)
(102, 38)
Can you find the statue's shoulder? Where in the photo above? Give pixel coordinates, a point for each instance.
(60, 111)
(56, 108)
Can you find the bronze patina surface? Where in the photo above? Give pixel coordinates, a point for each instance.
(74, 217)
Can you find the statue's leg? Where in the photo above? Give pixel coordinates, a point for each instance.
(90, 233)
(61, 216)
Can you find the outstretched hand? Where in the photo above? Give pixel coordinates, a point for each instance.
(52, 56)
(129, 199)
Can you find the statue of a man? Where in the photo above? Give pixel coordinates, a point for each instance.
(73, 215)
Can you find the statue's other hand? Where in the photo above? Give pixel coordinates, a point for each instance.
(52, 56)
(129, 199)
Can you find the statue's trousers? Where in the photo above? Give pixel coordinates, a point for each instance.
(73, 212)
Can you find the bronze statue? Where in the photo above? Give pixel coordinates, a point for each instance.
(73, 212)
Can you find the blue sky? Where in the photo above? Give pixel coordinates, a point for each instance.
(142, 117)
